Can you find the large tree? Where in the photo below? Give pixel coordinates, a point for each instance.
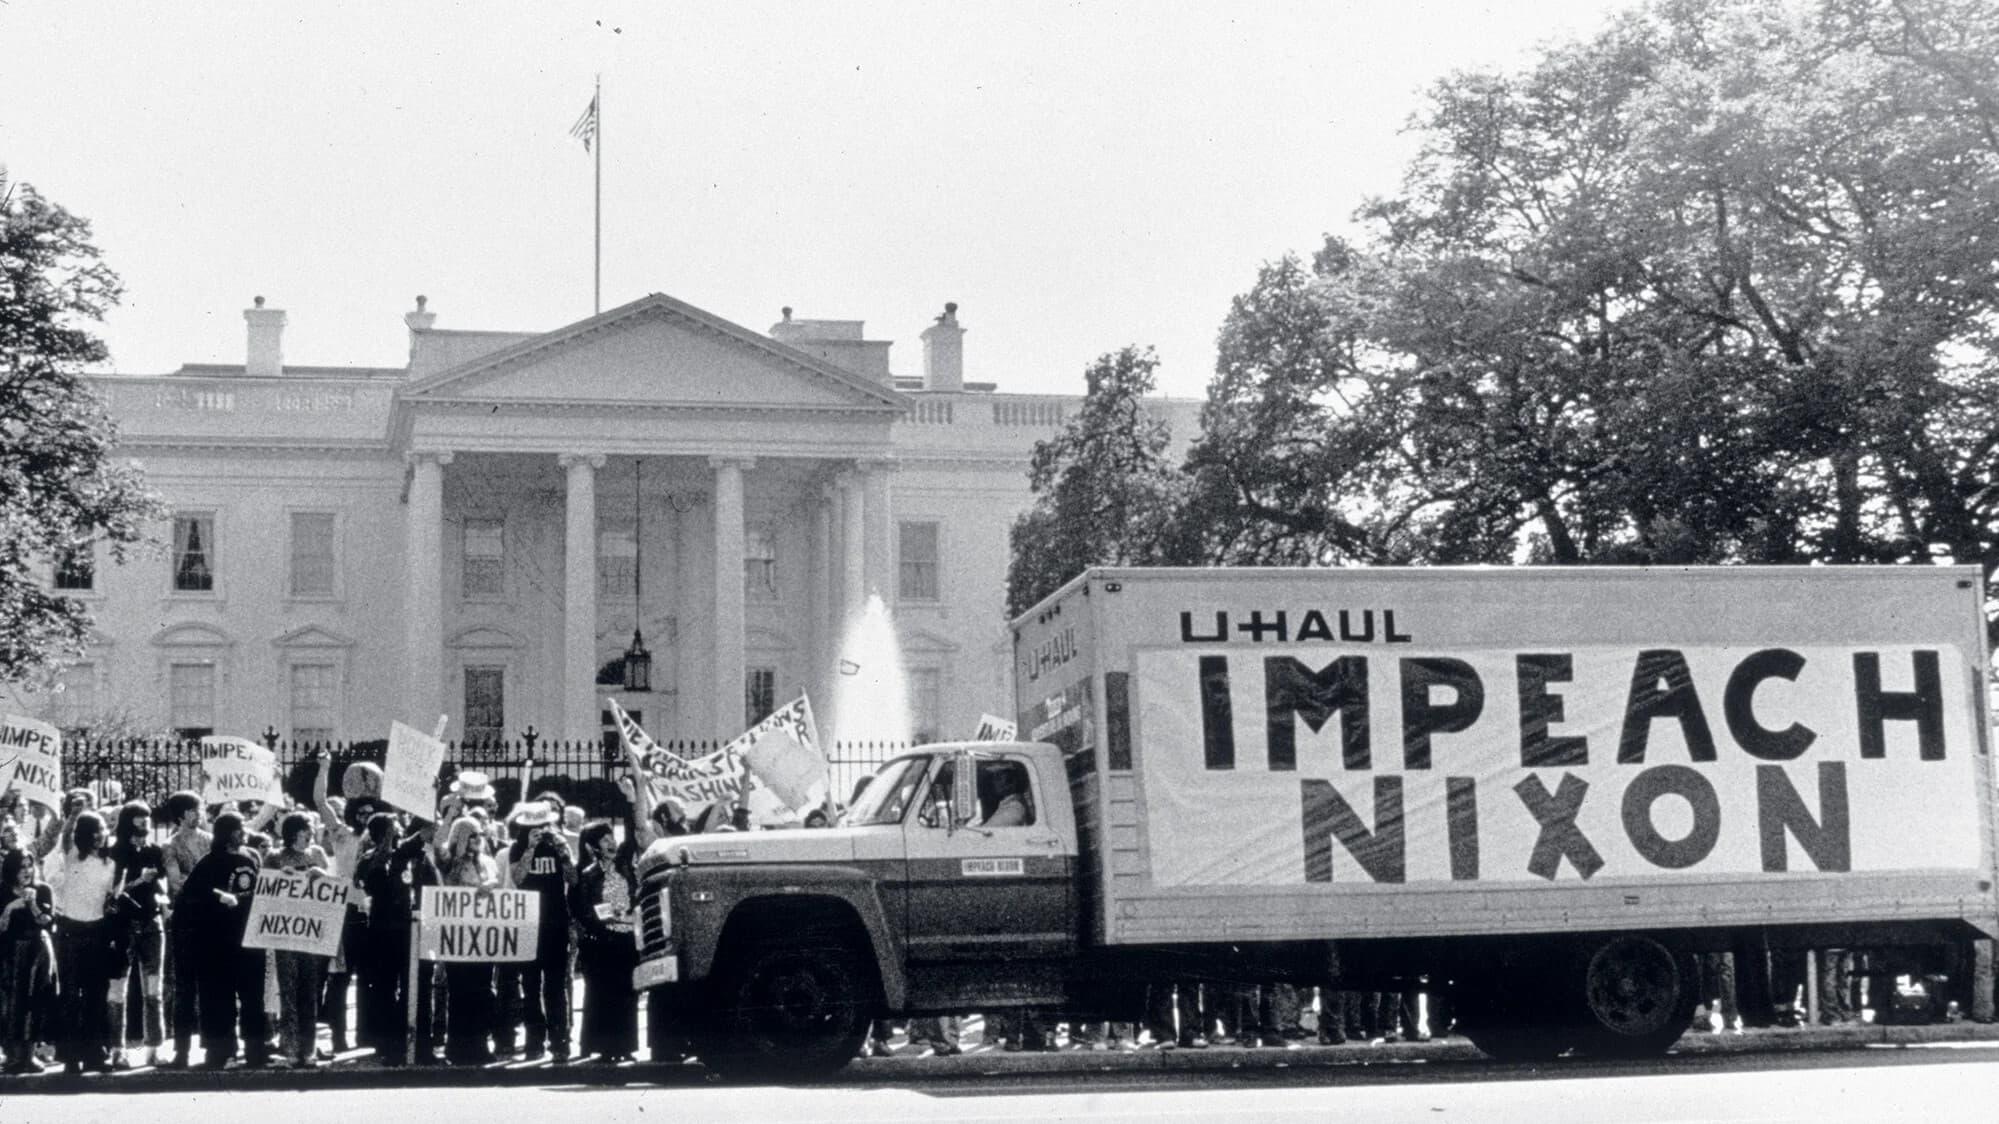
(1103, 487)
(61, 490)
(1718, 284)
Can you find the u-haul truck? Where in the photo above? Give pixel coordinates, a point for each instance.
(1551, 787)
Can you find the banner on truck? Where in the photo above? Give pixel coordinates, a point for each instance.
(237, 769)
(31, 760)
(471, 924)
(297, 912)
(1270, 765)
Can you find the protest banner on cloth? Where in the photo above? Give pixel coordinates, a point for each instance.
(472, 924)
(995, 729)
(31, 760)
(237, 769)
(409, 776)
(695, 782)
(295, 911)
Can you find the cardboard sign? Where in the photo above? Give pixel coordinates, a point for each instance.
(237, 769)
(409, 779)
(31, 760)
(995, 729)
(471, 925)
(1557, 764)
(782, 753)
(297, 912)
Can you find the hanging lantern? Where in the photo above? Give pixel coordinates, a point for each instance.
(638, 661)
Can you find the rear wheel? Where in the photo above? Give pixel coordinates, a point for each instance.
(791, 1009)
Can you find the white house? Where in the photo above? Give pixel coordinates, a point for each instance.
(478, 534)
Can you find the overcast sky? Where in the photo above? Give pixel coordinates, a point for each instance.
(1077, 176)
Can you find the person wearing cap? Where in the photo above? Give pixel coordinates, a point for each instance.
(539, 860)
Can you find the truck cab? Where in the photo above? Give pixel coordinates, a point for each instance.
(955, 867)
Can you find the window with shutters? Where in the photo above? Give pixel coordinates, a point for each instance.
(312, 561)
(916, 558)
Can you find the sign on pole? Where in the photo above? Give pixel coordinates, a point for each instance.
(473, 924)
(295, 911)
(409, 778)
(31, 760)
(995, 729)
(237, 769)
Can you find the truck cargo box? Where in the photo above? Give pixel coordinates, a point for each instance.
(1263, 755)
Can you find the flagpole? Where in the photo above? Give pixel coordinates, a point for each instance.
(597, 268)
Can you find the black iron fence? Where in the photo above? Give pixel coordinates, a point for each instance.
(583, 773)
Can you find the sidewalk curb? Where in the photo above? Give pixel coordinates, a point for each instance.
(365, 1074)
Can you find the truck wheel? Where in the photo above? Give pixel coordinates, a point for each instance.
(791, 1009)
(1638, 997)
(1516, 1009)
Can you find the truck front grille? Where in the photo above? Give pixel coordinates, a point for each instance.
(655, 925)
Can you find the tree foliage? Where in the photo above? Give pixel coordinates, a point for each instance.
(1103, 488)
(60, 489)
(1717, 284)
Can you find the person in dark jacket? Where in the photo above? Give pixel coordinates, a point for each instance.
(27, 961)
(393, 871)
(215, 905)
(602, 906)
(539, 861)
(139, 912)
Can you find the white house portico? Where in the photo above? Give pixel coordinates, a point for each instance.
(481, 533)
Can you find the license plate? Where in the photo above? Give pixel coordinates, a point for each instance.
(652, 973)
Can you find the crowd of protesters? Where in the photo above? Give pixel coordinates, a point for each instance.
(122, 942)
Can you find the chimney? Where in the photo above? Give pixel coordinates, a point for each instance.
(944, 352)
(419, 322)
(266, 355)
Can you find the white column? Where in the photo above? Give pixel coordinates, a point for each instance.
(877, 525)
(579, 596)
(423, 612)
(820, 569)
(729, 612)
(853, 537)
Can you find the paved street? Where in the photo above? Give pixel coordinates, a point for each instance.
(1931, 1082)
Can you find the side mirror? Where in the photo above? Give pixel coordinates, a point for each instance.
(964, 791)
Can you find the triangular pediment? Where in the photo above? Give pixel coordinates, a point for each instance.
(313, 636)
(656, 351)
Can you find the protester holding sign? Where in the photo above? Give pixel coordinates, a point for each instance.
(138, 918)
(301, 975)
(214, 905)
(468, 985)
(31, 759)
(341, 836)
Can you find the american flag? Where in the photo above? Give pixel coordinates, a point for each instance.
(585, 128)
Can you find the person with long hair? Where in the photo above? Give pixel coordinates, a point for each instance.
(602, 905)
(214, 905)
(27, 961)
(83, 877)
(139, 916)
(301, 975)
(469, 1005)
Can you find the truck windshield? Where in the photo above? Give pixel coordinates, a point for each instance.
(887, 797)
